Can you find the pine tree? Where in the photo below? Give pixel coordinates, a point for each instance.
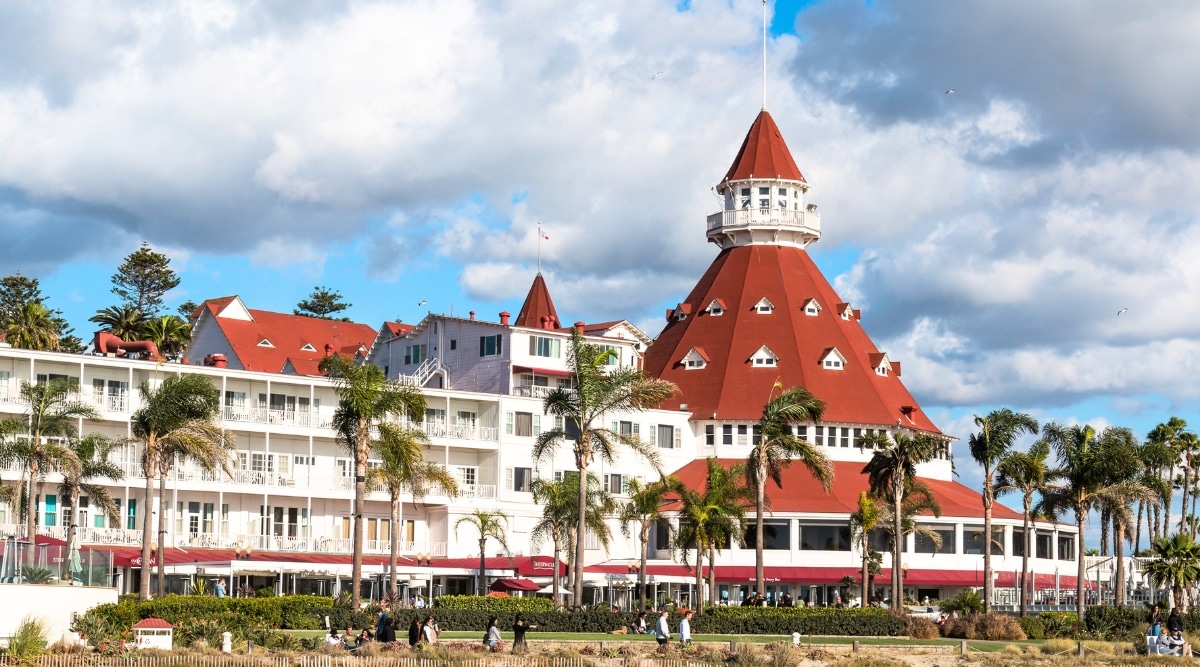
(143, 278)
(323, 303)
(186, 309)
(16, 291)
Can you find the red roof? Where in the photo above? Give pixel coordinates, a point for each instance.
(801, 493)
(152, 624)
(397, 328)
(508, 585)
(538, 310)
(270, 341)
(764, 154)
(731, 388)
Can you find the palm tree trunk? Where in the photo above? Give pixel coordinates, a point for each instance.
(162, 533)
(1119, 537)
(1081, 573)
(362, 442)
(395, 546)
(69, 513)
(479, 590)
(1183, 507)
(31, 503)
(699, 576)
(760, 495)
(1137, 531)
(1028, 530)
(712, 579)
(642, 569)
(988, 587)
(1104, 525)
(148, 464)
(897, 544)
(866, 570)
(555, 580)
(581, 524)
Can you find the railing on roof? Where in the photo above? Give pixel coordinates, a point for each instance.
(421, 375)
(765, 217)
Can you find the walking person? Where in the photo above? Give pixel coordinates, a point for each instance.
(414, 631)
(520, 627)
(492, 637)
(431, 620)
(662, 632)
(219, 589)
(428, 632)
(389, 631)
(685, 629)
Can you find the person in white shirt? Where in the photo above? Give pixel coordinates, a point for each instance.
(333, 639)
(685, 629)
(662, 631)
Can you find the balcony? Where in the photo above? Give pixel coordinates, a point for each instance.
(456, 431)
(532, 391)
(301, 418)
(808, 221)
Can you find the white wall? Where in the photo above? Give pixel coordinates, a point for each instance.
(53, 604)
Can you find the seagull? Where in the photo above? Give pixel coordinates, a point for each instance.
(950, 91)
(421, 302)
(1122, 312)
(656, 75)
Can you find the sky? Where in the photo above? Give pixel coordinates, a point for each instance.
(406, 151)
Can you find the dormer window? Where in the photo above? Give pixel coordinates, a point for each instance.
(880, 363)
(265, 343)
(681, 312)
(308, 348)
(832, 360)
(812, 308)
(695, 359)
(845, 311)
(764, 358)
(716, 308)
(764, 306)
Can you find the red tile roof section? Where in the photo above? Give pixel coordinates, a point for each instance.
(801, 493)
(288, 334)
(397, 328)
(538, 305)
(731, 388)
(152, 624)
(764, 154)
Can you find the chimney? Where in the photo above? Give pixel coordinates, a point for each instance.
(328, 350)
(545, 322)
(218, 361)
(472, 315)
(504, 315)
(580, 325)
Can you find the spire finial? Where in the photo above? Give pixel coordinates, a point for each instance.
(764, 54)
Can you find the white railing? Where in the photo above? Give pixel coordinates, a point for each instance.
(421, 375)
(532, 391)
(766, 217)
(319, 418)
(480, 491)
(456, 431)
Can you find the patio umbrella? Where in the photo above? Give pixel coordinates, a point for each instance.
(75, 565)
(549, 589)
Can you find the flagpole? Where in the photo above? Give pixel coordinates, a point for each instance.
(539, 250)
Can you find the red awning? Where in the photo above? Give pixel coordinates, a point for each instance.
(542, 371)
(777, 574)
(509, 585)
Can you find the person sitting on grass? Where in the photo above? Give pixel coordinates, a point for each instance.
(348, 639)
(638, 627)
(1172, 644)
(365, 636)
(492, 637)
(333, 639)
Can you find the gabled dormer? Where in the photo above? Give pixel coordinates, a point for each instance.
(679, 313)
(265, 343)
(811, 308)
(832, 360)
(764, 306)
(695, 359)
(308, 347)
(764, 358)
(880, 363)
(716, 308)
(846, 312)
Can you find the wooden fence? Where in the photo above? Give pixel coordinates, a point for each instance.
(199, 660)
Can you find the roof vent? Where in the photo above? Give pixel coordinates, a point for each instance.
(472, 315)
(580, 325)
(504, 315)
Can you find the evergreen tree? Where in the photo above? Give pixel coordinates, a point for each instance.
(323, 303)
(187, 308)
(16, 291)
(143, 278)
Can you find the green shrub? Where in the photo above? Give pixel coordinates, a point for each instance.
(484, 603)
(36, 575)
(996, 627)
(265, 592)
(29, 641)
(966, 602)
(1060, 624)
(295, 612)
(1033, 626)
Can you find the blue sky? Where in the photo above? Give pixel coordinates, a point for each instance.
(405, 151)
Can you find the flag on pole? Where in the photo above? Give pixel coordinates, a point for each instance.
(543, 234)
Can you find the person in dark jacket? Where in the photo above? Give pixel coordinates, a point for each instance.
(1174, 621)
(389, 631)
(414, 631)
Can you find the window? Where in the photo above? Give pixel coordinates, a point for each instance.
(782, 192)
(925, 545)
(829, 537)
(627, 429)
(845, 436)
(1045, 541)
(1018, 541)
(812, 308)
(662, 535)
(415, 354)
(764, 203)
(489, 346)
(618, 485)
(764, 191)
(802, 433)
(1066, 547)
(265, 343)
(819, 434)
(742, 435)
(51, 510)
(727, 434)
(453, 344)
(131, 515)
(524, 424)
(710, 434)
(832, 359)
(756, 435)
(695, 359)
(208, 518)
(665, 436)
(764, 306)
(542, 346)
(465, 475)
(308, 348)
(973, 540)
(764, 357)
(716, 308)
(224, 518)
(518, 479)
(776, 536)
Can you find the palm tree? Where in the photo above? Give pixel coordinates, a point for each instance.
(366, 401)
(998, 431)
(644, 508)
(1154, 457)
(170, 333)
(125, 322)
(862, 522)
(1086, 479)
(32, 328)
(1027, 473)
(1189, 447)
(402, 469)
(92, 453)
(488, 524)
(1167, 435)
(52, 411)
(559, 510)
(890, 472)
(1124, 478)
(1176, 563)
(774, 452)
(711, 517)
(175, 420)
(599, 389)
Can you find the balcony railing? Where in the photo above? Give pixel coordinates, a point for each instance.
(765, 217)
(532, 391)
(304, 418)
(456, 431)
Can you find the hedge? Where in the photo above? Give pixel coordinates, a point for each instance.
(293, 612)
(493, 604)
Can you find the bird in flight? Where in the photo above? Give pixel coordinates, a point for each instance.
(1122, 312)
(421, 302)
(656, 75)
(950, 91)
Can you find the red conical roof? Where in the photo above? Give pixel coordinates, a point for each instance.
(764, 154)
(538, 305)
(730, 387)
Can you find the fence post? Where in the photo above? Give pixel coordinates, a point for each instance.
(1080, 650)
(732, 647)
(963, 648)
(854, 646)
